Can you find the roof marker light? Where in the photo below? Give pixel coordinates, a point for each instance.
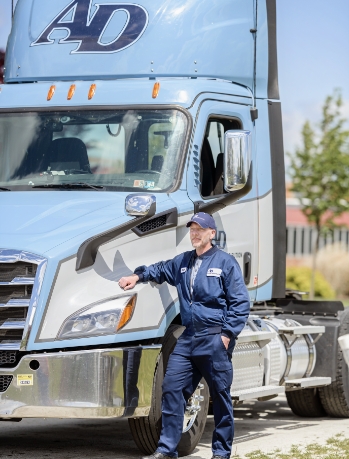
(51, 92)
(156, 90)
(71, 92)
(92, 91)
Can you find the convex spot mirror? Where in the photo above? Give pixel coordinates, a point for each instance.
(237, 159)
(140, 205)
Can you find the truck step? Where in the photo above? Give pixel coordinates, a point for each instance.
(10, 345)
(302, 330)
(13, 324)
(261, 337)
(302, 383)
(257, 392)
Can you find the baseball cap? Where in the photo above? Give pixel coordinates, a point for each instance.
(204, 220)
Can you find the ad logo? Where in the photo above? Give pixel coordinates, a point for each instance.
(86, 22)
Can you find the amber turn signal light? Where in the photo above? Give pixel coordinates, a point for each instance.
(127, 313)
(92, 91)
(71, 92)
(51, 92)
(156, 90)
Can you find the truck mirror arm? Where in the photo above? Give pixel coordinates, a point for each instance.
(219, 204)
(87, 252)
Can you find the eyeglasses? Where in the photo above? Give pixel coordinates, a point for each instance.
(197, 230)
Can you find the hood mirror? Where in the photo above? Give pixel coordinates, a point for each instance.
(237, 159)
(140, 205)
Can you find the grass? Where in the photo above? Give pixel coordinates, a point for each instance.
(336, 447)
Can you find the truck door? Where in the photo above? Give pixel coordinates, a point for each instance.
(237, 224)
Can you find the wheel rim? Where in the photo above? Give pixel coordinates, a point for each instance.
(193, 408)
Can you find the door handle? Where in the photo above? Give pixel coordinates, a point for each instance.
(247, 267)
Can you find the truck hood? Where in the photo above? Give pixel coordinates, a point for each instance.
(38, 221)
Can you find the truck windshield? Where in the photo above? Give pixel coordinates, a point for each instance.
(120, 150)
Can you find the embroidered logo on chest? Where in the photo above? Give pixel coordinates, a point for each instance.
(183, 270)
(214, 272)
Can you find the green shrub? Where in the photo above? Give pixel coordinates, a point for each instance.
(298, 278)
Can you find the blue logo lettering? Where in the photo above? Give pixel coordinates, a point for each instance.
(87, 28)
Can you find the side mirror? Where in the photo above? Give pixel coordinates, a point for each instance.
(140, 205)
(237, 159)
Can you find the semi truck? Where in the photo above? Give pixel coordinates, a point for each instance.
(118, 121)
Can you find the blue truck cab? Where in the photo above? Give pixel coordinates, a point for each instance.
(118, 121)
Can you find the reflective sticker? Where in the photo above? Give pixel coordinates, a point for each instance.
(148, 184)
(214, 272)
(183, 270)
(138, 183)
(25, 380)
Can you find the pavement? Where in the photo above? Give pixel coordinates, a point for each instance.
(259, 425)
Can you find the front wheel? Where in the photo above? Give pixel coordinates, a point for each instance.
(146, 430)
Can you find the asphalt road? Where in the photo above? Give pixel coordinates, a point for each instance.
(263, 425)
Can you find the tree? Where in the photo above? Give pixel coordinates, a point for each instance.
(320, 171)
(2, 63)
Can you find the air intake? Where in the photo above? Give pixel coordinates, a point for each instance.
(5, 381)
(160, 222)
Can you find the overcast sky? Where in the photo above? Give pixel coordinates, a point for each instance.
(313, 53)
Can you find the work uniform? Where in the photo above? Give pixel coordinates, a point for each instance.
(213, 301)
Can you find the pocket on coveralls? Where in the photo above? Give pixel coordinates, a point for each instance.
(222, 375)
(222, 367)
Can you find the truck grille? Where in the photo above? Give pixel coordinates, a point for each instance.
(7, 357)
(17, 278)
(5, 381)
(9, 271)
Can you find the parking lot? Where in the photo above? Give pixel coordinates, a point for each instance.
(261, 425)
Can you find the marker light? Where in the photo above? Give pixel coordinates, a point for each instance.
(51, 92)
(105, 317)
(156, 90)
(127, 313)
(71, 92)
(92, 91)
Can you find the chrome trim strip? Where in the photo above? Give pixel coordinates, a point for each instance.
(13, 256)
(20, 281)
(13, 324)
(15, 304)
(10, 346)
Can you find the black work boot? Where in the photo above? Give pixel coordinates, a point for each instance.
(157, 455)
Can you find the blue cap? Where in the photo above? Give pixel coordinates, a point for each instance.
(204, 220)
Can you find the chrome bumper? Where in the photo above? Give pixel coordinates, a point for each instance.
(102, 383)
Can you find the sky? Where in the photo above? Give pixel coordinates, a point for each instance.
(313, 58)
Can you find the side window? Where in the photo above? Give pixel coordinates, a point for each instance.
(212, 155)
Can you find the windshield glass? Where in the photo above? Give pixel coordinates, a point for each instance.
(121, 150)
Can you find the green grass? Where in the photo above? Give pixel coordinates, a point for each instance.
(335, 448)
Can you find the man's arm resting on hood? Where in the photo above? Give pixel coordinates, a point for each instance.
(163, 271)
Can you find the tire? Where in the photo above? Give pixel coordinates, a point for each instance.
(305, 403)
(146, 431)
(335, 397)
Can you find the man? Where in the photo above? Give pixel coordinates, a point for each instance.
(214, 306)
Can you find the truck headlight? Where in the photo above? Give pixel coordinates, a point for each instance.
(103, 318)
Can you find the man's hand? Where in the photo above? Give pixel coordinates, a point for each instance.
(226, 341)
(127, 283)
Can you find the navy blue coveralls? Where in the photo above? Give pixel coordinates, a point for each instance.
(218, 305)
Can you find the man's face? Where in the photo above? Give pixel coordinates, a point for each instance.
(199, 236)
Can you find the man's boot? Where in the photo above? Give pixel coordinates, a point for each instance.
(157, 455)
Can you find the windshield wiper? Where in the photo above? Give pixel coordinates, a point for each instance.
(70, 185)
(4, 189)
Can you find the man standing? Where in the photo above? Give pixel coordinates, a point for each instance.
(214, 306)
